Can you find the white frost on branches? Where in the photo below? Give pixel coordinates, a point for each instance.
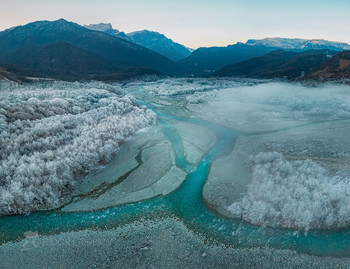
(293, 194)
(50, 134)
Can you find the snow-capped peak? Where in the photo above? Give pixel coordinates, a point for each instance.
(297, 43)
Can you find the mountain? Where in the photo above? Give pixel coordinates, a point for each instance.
(98, 45)
(336, 68)
(108, 29)
(62, 60)
(161, 44)
(208, 60)
(100, 27)
(152, 40)
(277, 64)
(204, 61)
(298, 44)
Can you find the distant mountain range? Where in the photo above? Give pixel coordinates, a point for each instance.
(152, 40)
(277, 64)
(205, 61)
(65, 50)
(86, 53)
(298, 44)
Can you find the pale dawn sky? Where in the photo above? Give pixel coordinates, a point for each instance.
(197, 23)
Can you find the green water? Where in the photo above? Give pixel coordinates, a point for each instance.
(185, 204)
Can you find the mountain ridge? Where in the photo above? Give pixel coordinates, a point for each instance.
(277, 64)
(299, 43)
(152, 40)
(62, 60)
(205, 61)
(120, 51)
(66, 50)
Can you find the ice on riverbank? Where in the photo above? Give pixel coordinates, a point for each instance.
(154, 174)
(125, 161)
(227, 181)
(196, 139)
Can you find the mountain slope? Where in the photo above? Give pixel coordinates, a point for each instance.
(336, 68)
(62, 60)
(100, 27)
(121, 52)
(160, 44)
(108, 29)
(207, 60)
(277, 64)
(152, 40)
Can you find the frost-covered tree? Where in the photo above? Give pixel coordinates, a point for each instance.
(293, 194)
(52, 133)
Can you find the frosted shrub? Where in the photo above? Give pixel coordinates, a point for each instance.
(293, 194)
(183, 86)
(202, 97)
(51, 134)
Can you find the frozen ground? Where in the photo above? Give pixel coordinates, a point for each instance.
(196, 140)
(144, 168)
(151, 244)
(188, 86)
(305, 185)
(291, 168)
(267, 155)
(307, 128)
(270, 106)
(227, 181)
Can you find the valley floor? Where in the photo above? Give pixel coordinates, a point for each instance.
(200, 173)
(166, 243)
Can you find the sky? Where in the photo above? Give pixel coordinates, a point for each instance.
(196, 23)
